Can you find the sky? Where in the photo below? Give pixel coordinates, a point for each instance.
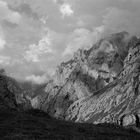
(37, 35)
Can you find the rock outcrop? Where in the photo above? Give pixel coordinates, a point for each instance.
(99, 85)
(18, 121)
(118, 98)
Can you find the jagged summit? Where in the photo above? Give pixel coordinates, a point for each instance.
(97, 85)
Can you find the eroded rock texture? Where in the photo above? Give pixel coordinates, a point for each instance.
(98, 85)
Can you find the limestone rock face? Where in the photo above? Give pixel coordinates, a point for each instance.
(119, 97)
(98, 85)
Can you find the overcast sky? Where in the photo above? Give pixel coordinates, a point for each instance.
(36, 35)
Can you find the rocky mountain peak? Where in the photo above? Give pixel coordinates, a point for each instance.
(99, 85)
(94, 82)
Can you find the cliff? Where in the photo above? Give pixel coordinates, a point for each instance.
(19, 121)
(97, 85)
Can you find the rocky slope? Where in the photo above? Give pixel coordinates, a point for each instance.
(98, 85)
(118, 101)
(18, 122)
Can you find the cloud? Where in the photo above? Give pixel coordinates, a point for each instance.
(82, 38)
(72, 24)
(116, 20)
(2, 43)
(25, 9)
(7, 14)
(59, 1)
(38, 79)
(2, 39)
(4, 60)
(66, 9)
(35, 51)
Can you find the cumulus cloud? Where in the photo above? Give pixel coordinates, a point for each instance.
(4, 60)
(38, 79)
(7, 14)
(105, 17)
(2, 39)
(73, 24)
(66, 9)
(35, 51)
(59, 1)
(2, 43)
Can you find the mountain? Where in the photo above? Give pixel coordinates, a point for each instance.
(11, 94)
(89, 97)
(18, 120)
(99, 85)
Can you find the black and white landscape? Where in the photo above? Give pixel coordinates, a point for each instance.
(69, 70)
